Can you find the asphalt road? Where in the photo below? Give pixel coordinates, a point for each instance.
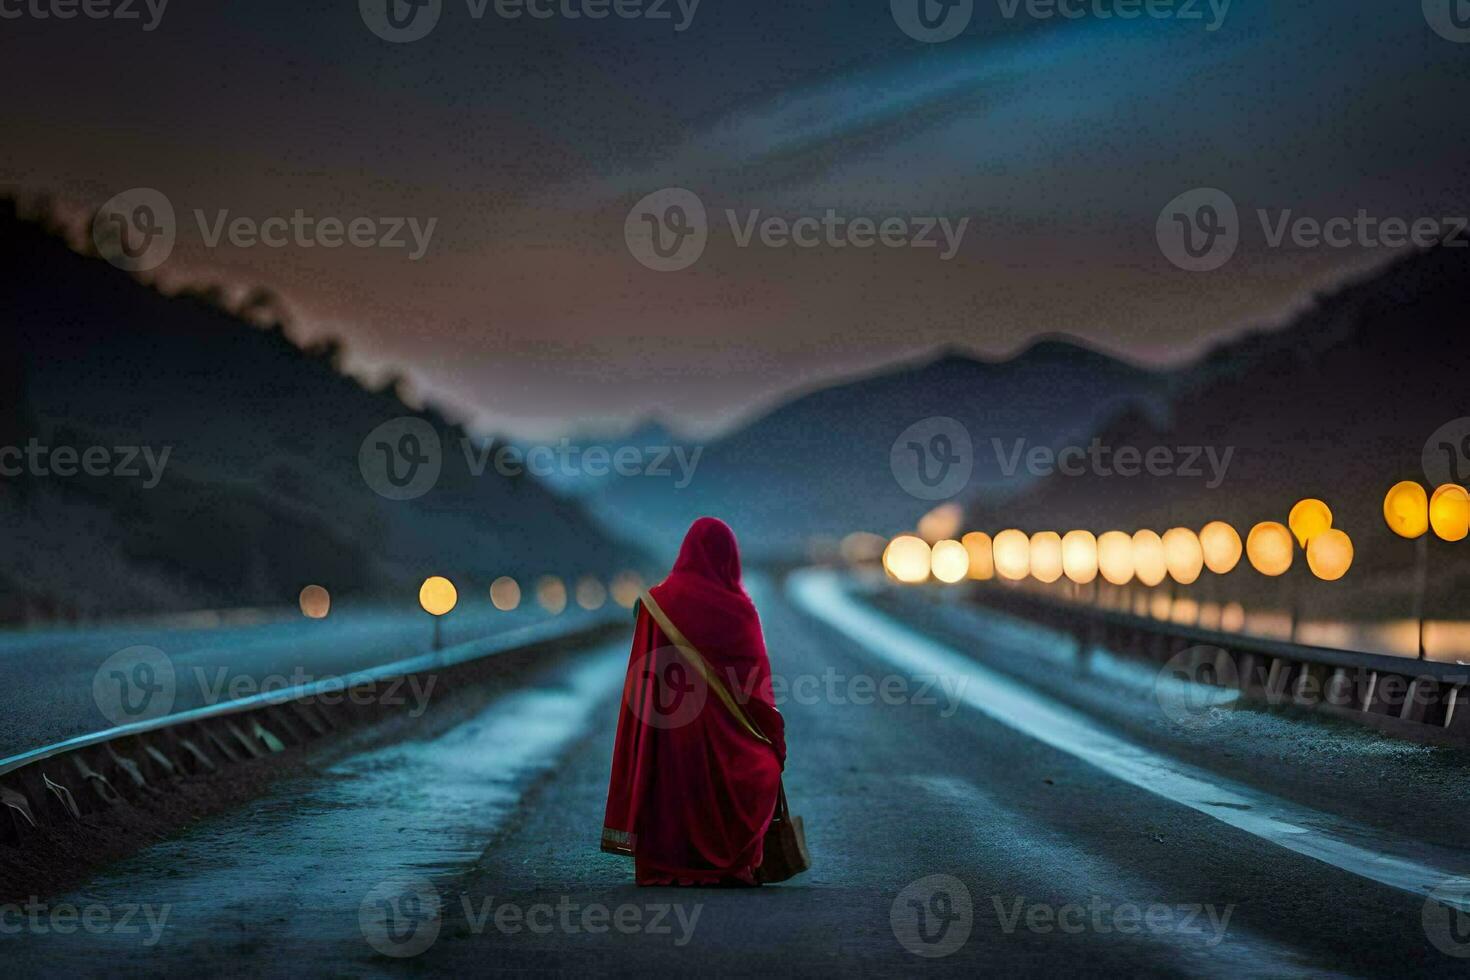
(1034, 812)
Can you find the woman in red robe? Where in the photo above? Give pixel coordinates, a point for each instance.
(695, 778)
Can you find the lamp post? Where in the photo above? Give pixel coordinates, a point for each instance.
(438, 597)
(1410, 512)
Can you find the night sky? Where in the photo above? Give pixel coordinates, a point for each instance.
(529, 141)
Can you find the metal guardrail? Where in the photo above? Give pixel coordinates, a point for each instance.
(89, 773)
(1420, 699)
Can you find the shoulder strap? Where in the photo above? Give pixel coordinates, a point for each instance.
(692, 654)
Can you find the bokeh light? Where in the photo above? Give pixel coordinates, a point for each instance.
(950, 562)
(907, 559)
(982, 559)
(1449, 512)
(505, 593)
(1270, 548)
(1222, 547)
(590, 593)
(551, 594)
(1012, 551)
(1183, 555)
(942, 522)
(438, 595)
(860, 547)
(1309, 518)
(1406, 509)
(1330, 555)
(626, 587)
(1079, 556)
(1149, 564)
(315, 602)
(1115, 557)
(1046, 556)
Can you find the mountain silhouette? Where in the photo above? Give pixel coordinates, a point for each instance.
(262, 491)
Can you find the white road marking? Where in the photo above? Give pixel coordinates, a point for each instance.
(1304, 831)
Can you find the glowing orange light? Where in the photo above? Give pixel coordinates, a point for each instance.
(1115, 557)
(1012, 550)
(1183, 556)
(1079, 556)
(438, 595)
(1406, 509)
(1149, 563)
(315, 601)
(625, 588)
(949, 562)
(1309, 518)
(907, 559)
(1221, 546)
(1270, 548)
(1046, 556)
(942, 522)
(1449, 512)
(1330, 555)
(982, 560)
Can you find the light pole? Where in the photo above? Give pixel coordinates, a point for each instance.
(438, 597)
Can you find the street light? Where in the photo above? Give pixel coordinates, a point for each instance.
(315, 602)
(1149, 563)
(1046, 556)
(907, 559)
(1012, 550)
(1330, 554)
(1079, 556)
(949, 562)
(1449, 512)
(1221, 546)
(1309, 518)
(982, 558)
(438, 597)
(1183, 556)
(1115, 557)
(1269, 548)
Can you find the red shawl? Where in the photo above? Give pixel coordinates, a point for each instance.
(692, 789)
